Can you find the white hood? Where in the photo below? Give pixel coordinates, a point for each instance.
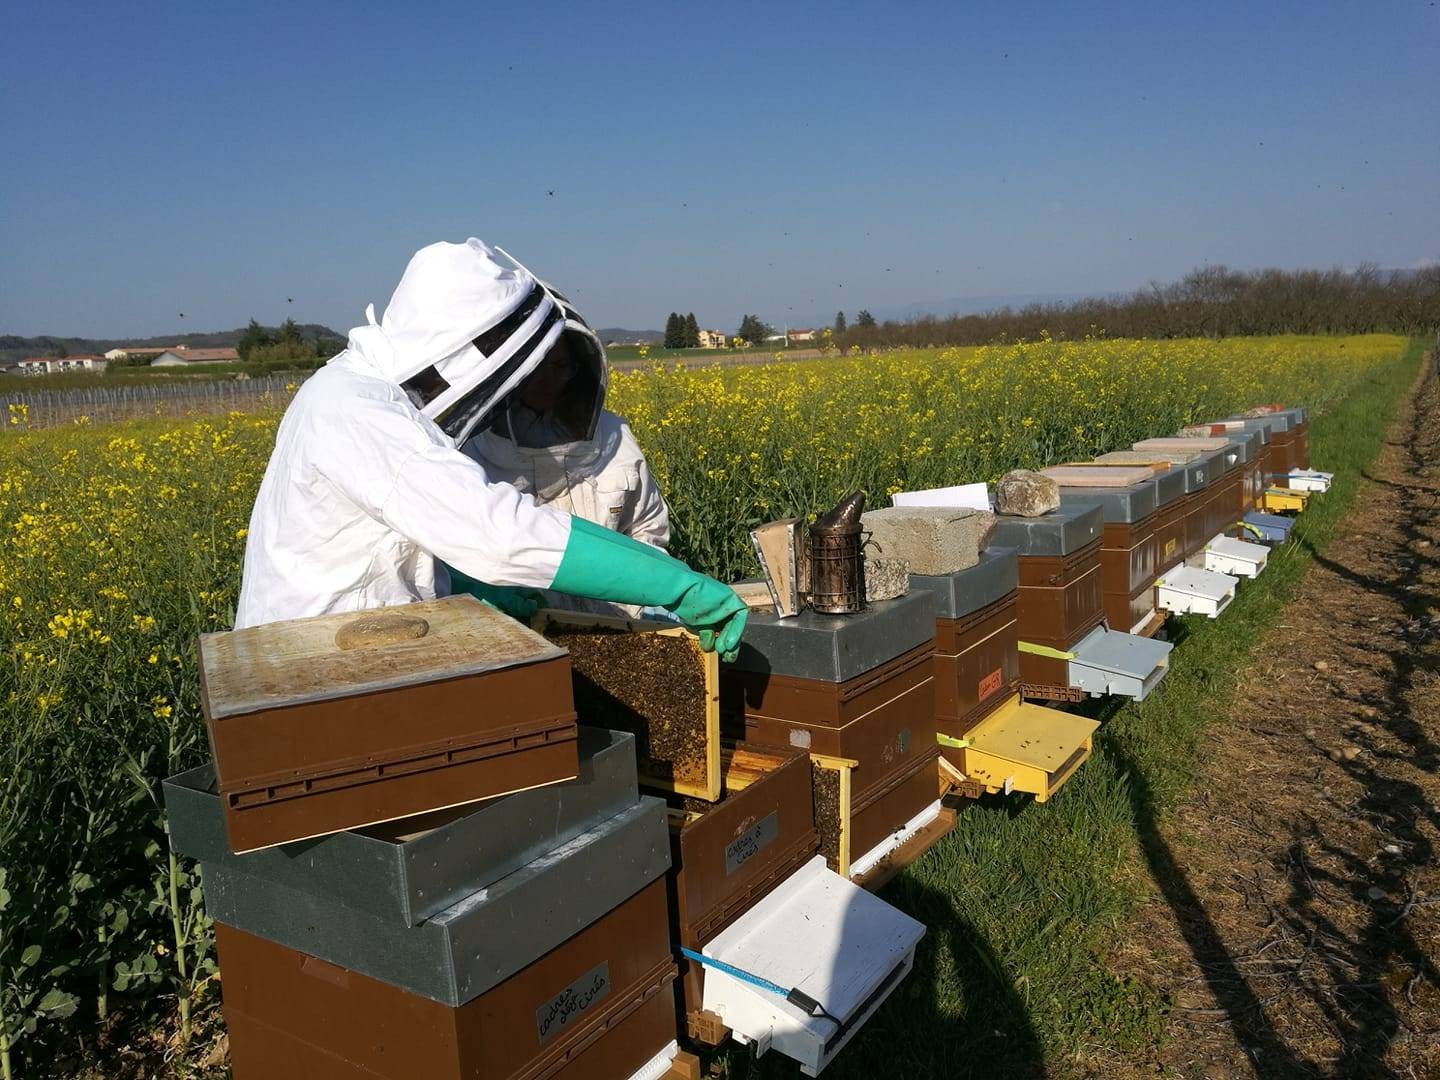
(461, 332)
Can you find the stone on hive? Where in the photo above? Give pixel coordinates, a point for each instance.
(1026, 493)
(932, 539)
(886, 579)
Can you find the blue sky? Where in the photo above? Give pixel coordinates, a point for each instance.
(787, 159)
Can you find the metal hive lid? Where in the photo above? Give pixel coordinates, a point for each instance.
(836, 648)
(956, 595)
(1169, 486)
(1059, 532)
(1127, 504)
(1280, 421)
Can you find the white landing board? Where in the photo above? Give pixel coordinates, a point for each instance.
(823, 935)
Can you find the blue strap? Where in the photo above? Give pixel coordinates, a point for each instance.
(796, 996)
(730, 969)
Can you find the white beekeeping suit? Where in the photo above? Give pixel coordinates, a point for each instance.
(367, 486)
(367, 495)
(571, 453)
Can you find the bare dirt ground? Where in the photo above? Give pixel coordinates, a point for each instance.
(1295, 922)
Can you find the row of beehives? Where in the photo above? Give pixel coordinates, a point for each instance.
(577, 928)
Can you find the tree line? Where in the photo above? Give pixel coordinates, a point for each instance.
(285, 344)
(1210, 302)
(682, 331)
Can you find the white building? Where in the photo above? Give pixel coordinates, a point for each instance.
(126, 352)
(51, 365)
(712, 339)
(188, 357)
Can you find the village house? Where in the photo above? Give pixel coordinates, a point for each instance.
(51, 365)
(126, 352)
(712, 339)
(187, 357)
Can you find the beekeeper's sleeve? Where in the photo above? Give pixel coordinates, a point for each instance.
(389, 463)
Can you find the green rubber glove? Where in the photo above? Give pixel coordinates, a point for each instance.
(517, 602)
(605, 565)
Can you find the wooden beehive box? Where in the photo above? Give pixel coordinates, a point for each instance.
(725, 857)
(652, 679)
(341, 721)
(598, 1005)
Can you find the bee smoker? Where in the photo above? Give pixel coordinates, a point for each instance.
(837, 562)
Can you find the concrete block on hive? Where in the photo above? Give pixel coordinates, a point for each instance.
(886, 579)
(1026, 493)
(933, 540)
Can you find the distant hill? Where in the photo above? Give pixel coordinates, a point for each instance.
(13, 347)
(614, 333)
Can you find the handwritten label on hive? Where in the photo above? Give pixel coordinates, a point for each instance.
(572, 1002)
(989, 684)
(751, 842)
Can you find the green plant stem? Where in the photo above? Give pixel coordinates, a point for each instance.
(102, 1004)
(184, 990)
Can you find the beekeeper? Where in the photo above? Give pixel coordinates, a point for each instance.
(367, 488)
(554, 439)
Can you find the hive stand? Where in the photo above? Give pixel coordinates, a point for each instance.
(993, 739)
(814, 913)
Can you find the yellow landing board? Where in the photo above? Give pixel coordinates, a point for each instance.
(1027, 747)
(1277, 500)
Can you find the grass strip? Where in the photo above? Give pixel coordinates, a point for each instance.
(1024, 901)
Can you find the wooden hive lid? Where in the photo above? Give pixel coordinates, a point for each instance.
(1098, 475)
(1183, 442)
(298, 661)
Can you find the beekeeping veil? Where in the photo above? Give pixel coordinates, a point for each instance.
(462, 331)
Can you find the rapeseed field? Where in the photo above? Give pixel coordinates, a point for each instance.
(119, 544)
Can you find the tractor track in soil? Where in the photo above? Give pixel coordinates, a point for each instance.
(1294, 922)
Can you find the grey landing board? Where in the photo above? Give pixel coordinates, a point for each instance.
(475, 944)
(406, 871)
